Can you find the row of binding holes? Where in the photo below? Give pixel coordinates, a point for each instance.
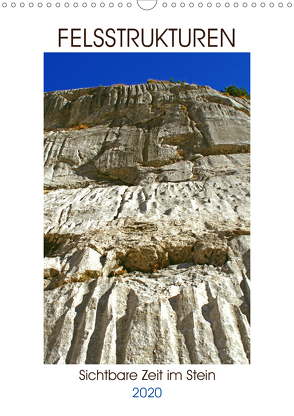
(191, 4)
(66, 4)
(182, 4)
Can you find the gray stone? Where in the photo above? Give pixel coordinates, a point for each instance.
(146, 226)
(109, 132)
(179, 315)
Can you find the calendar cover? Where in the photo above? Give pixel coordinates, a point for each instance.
(154, 199)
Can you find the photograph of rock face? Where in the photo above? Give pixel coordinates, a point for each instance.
(146, 225)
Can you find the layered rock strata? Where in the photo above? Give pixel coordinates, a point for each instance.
(146, 222)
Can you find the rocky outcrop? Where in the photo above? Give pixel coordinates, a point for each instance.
(146, 222)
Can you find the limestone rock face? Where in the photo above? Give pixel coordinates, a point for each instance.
(116, 132)
(146, 224)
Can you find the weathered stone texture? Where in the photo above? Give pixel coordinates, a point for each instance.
(137, 126)
(146, 222)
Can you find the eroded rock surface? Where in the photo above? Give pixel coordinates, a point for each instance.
(146, 222)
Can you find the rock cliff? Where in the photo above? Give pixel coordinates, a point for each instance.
(146, 225)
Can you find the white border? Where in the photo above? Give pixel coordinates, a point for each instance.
(31, 387)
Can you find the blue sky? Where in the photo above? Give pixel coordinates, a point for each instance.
(81, 70)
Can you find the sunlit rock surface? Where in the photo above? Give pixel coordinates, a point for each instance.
(147, 224)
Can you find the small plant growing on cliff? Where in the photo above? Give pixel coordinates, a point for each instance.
(172, 81)
(155, 81)
(87, 275)
(81, 126)
(234, 91)
(78, 127)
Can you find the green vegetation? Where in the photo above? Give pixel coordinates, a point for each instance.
(236, 92)
(155, 81)
(171, 80)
